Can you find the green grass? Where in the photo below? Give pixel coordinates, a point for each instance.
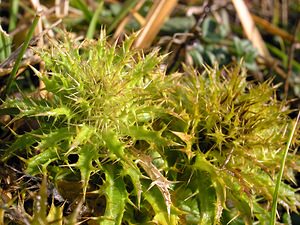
(280, 174)
(23, 48)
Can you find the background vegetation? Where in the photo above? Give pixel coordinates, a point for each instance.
(138, 112)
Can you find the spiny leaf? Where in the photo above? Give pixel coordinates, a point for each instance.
(55, 215)
(157, 179)
(203, 165)
(136, 176)
(141, 133)
(40, 205)
(83, 135)
(207, 198)
(35, 164)
(113, 144)
(54, 138)
(87, 153)
(22, 142)
(116, 196)
(161, 216)
(5, 45)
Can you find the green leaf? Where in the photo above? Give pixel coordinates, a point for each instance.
(196, 57)
(55, 138)
(48, 149)
(212, 31)
(142, 133)
(207, 198)
(40, 205)
(113, 144)
(83, 135)
(116, 196)
(5, 45)
(23, 143)
(87, 154)
(55, 215)
(156, 200)
(135, 175)
(36, 164)
(178, 25)
(220, 187)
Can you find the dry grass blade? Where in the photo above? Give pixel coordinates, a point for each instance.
(158, 179)
(155, 19)
(269, 27)
(127, 7)
(39, 28)
(121, 26)
(7, 64)
(250, 29)
(32, 60)
(61, 8)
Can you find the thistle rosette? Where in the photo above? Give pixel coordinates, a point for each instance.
(179, 149)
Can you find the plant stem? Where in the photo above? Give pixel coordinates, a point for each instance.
(279, 177)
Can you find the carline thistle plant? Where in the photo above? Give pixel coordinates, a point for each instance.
(168, 149)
